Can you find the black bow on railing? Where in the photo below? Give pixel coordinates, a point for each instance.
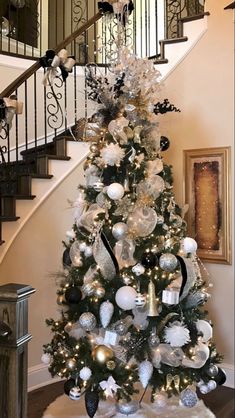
(164, 107)
(120, 9)
(53, 61)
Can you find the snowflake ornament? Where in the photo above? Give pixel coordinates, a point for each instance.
(177, 335)
(112, 154)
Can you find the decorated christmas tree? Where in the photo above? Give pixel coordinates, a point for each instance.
(132, 291)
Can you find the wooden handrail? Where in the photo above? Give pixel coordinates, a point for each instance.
(31, 70)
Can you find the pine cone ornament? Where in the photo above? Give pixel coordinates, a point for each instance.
(92, 402)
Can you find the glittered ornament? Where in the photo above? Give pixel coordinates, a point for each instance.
(119, 230)
(188, 398)
(91, 402)
(164, 143)
(177, 335)
(46, 358)
(87, 321)
(212, 370)
(115, 191)
(153, 340)
(142, 221)
(125, 297)
(102, 354)
(85, 373)
(160, 400)
(75, 393)
(149, 260)
(70, 363)
(140, 300)
(145, 372)
(121, 328)
(73, 295)
(68, 385)
(168, 262)
(138, 269)
(127, 408)
(106, 313)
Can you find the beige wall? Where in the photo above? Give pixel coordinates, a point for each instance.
(203, 87)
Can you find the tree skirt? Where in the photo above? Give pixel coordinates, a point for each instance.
(63, 407)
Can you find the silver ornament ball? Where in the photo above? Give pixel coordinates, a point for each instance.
(119, 230)
(87, 321)
(168, 262)
(188, 398)
(121, 328)
(127, 408)
(212, 370)
(204, 389)
(153, 341)
(212, 384)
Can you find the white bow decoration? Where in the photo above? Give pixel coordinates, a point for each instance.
(109, 386)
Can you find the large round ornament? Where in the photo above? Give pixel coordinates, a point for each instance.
(188, 398)
(149, 260)
(212, 370)
(115, 191)
(125, 297)
(119, 230)
(102, 354)
(189, 245)
(73, 295)
(75, 393)
(127, 408)
(91, 402)
(164, 143)
(68, 385)
(221, 377)
(142, 221)
(87, 321)
(168, 262)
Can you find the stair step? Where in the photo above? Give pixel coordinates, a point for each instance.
(1, 242)
(195, 17)
(41, 176)
(37, 149)
(20, 196)
(9, 218)
(174, 40)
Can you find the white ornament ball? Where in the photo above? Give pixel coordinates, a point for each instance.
(204, 389)
(75, 393)
(115, 191)
(46, 358)
(189, 245)
(119, 230)
(85, 373)
(211, 384)
(138, 269)
(125, 298)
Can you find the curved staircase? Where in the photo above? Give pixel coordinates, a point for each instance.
(38, 168)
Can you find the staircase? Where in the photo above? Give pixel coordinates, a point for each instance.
(31, 169)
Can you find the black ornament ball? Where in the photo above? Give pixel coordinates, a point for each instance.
(92, 402)
(164, 143)
(149, 260)
(68, 385)
(221, 377)
(73, 295)
(66, 258)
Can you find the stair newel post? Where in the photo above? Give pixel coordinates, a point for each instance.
(14, 338)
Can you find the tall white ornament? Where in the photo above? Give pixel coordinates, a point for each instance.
(106, 313)
(145, 372)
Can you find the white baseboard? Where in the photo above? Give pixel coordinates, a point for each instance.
(39, 376)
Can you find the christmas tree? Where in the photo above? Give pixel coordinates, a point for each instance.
(132, 291)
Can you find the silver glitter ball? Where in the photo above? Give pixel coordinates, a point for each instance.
(119, 230)
(88, 289)
(121, 328)
(127, 408)
(188, 398)
(212, 370)
(168, 262)
(87, 321)
(153, 341)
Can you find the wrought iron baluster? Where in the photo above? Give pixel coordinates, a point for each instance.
(45, 110)
(35, 109)
(26, 112)
(16, 134)
(75, 93)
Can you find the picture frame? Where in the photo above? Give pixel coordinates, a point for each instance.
(207, 194)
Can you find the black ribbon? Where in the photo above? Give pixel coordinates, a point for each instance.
(164, 107)
(47, 60)
(110, 251)
(3, 150)
(2, 109)
(184, 273)
(106, 7)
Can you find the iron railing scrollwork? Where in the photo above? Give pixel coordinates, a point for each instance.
(176, 10)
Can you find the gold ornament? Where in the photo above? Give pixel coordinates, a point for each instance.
(94, 148)
(111, 365)
(152, 304)
(60, 300)
(102, 354)
(71, 363)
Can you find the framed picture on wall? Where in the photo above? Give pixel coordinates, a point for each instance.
(207, 192)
